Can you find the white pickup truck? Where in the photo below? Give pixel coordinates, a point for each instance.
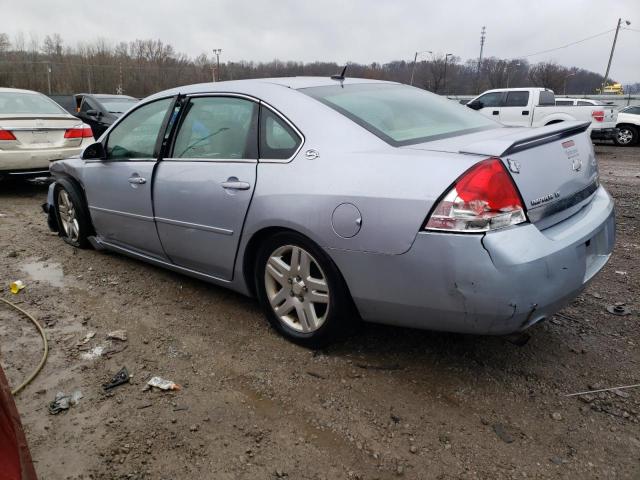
(536, 107)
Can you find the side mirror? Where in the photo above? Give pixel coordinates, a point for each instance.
(93, 113)
(95, 151)
(476, 105)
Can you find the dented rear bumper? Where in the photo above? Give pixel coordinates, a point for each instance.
(497, 283)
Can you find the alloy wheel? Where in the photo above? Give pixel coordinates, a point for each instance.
(68, 216)
(297, 288)
(625, 136)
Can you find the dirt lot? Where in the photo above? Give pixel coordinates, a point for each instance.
(384, 403)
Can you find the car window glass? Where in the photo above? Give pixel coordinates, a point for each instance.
(85, 105)
(634, 110)
(583, 103)
(277, 139)
(18, 102)
(493, 99)
(217, 127)
(564, 102)
(517, 99)
(547, 98)
(136, 135)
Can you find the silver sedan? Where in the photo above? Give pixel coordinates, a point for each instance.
(331, 199)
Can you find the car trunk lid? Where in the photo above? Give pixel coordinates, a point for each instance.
(38, 132)
(554, 167)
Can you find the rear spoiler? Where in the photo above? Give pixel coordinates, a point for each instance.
(525, 139)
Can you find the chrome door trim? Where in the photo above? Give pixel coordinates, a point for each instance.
(210, 160)
(197, 226)
(123, 214)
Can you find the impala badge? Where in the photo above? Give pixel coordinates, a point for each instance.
(311, 154)
(576, 164)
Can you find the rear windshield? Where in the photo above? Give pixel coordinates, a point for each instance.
(400, 115)
(117, 105)
(16, 102)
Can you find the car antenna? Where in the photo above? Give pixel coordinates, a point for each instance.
(339, 76)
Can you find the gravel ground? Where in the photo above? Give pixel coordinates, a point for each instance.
(384, 403)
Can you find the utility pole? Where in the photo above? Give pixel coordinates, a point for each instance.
(89, 78)
(613, 47)
(446, 57)
(483, 35)
(49, 77)
(415, 59)
(217, 52)
(120, 90)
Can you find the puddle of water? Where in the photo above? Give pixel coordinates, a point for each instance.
(45, 272)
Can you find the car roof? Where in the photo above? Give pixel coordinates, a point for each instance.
(103, 95)
(17, 90)
(256, 85)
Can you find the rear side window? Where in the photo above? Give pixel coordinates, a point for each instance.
(517, 99)
(217, 128)
(135, 136)
(278, 141)
(547, 98)
(398, 114)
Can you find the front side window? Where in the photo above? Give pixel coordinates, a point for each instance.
(217, 128)
(493, 99)
(136, 135)
(517, 99)
(117, 105)
(277, 139)
(86, 105)
(398, 114)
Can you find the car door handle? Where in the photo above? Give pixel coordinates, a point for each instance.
(525, 112)
(235, 185)
(496, 112)
(137, 180)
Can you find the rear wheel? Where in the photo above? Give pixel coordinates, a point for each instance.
(73, 220)
(626, 136)
(301, 290)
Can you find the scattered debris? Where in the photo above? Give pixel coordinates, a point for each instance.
(501, 431)
(621, 272)
(596, 295)
(86, 338)
(556, 416)
(16, 286)
(603, 390)
(315, 374)
(145, 405)
(118, 335)
(64, 402)
(94, 353)
(163, 384)
(619, 309)
(118, 379)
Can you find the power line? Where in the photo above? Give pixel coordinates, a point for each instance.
(567, 45)
(632, 29)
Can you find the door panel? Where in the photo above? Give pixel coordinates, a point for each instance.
(515, 110)
(199, 220)
(203, 189)
(119, 188)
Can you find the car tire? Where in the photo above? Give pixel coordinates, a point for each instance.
(301, 291)
(627, 136)
(72, 214)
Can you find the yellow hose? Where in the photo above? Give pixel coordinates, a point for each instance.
(44, 342)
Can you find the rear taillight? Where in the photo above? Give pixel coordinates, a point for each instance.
(484, 198)
(82, 132)
(598, 115)
(7, 135)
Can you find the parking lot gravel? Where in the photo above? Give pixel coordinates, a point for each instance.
(383, 403)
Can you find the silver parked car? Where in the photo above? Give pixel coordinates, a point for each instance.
(34, 130)
(330, 199)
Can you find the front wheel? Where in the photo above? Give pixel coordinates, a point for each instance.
(626, 136)
(73, 220)
(301, 290)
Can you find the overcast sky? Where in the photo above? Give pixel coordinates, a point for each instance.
(348, 30)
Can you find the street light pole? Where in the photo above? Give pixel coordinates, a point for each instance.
(565, 81)
(415, 59)
(509, 72)
(446, 57)
(217, 52)
(613, 47)
(49, 77)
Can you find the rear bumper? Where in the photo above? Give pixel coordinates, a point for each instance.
(604, 133)
(34, 160)
(498, 283)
